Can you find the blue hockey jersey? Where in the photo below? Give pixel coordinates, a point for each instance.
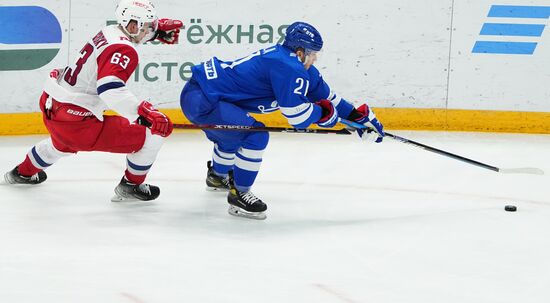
(268, 80)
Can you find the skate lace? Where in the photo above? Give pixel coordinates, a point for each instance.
(144, 188)
(225, 182)
(34, 178)
(249, 198)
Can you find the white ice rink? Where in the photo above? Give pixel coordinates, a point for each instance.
(347, 222)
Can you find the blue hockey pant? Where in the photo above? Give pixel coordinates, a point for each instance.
(240, 151)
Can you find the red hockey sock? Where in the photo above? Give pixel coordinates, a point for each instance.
(134, 178)
(26, 168)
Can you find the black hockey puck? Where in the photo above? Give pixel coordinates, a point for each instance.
(510, 208)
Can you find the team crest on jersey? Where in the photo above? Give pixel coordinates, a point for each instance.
(274, 107)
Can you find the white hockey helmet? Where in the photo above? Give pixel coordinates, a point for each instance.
(142, 11)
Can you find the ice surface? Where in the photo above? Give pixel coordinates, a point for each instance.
(347, 222)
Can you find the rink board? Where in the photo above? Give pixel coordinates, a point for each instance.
(435, 64)
(393, 118)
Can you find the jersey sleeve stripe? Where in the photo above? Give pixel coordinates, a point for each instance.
(107, 86)
(296, 110)
(108, 79)
(334, 98)
(301, 118)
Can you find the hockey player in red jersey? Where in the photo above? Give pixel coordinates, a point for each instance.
(74, 99)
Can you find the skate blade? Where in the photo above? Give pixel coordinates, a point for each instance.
(9, 181)
(5, 180)
(117, 198)
(238, 212)
(217, 189)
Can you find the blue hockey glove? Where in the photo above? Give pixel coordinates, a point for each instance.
(329, 116)
(364, 115)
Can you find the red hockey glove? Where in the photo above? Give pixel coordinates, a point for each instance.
(168, 31)
(329, 116)
(158, 122)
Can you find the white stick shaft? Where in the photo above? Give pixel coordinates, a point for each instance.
(522, 170)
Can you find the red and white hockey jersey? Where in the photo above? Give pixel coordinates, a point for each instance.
(97, 79)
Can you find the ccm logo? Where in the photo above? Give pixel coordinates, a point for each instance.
(139, 4)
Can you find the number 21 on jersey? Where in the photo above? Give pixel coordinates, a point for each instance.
(302, 86)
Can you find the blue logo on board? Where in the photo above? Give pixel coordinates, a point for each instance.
(30, 37)
(515, 29)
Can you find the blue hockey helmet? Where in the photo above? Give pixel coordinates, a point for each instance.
(304, 35)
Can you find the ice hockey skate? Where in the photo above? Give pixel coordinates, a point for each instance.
(129, 192)
(14, 177)
(215, 182)
(244, 204)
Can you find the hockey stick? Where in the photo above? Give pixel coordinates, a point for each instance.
(342, 131)
(521, 170)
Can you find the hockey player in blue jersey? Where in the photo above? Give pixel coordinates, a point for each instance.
(281, 77)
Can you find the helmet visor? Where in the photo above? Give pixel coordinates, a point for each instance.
(151, 29)
(312, 56)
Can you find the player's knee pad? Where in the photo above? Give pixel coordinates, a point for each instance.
(256, 140)
(247, 166)
(144, 158)
(249, 156)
